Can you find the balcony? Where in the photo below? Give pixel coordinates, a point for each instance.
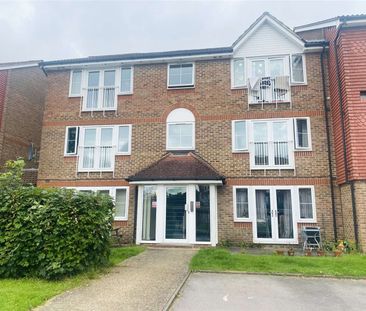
(96, 158)
(99, 99)
(269, 90)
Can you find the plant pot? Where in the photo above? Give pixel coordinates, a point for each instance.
(280, 252)
(320, 252)
(308, 253)
(337, 253)
(291, 252)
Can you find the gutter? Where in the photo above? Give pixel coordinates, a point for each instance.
(334, 218)
(341, 108)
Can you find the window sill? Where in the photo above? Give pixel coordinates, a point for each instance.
(303, 149)
(243, 220)
(74, 96)
(120, 219)
(110, 170)
(125, 94)
(307, 221)
(99, 110)
(123, 154)
(233, 88)
(240, 151)
(183, 87)
(70, 155)
(273, 168)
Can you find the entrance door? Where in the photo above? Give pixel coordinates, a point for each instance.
(274, 221)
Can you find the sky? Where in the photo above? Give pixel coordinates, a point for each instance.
(49, 30)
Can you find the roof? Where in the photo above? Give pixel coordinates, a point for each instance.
(22, 64)
(173, 167)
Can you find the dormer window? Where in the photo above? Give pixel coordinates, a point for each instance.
(180, 130)
(180, 75)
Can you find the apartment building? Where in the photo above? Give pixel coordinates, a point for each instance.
(198, 146)
(347, 95)
(23, 88)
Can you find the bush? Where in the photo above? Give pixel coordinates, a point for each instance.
(51, 233)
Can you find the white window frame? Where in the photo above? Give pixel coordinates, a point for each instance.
(304, 70)
(234, 149)
(81, 83)
(267, 59)
(241, 86)
(120, 80)
(181, 86)
(66, 154)
(306, 220)
(250, 203)
(112, 193)
(180, 148)
(291, 147)
(129, 139)
(309, 148)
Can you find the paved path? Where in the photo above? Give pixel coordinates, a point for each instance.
(144, 282)
(214, 291)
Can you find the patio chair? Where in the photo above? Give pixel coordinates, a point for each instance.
(311, 237)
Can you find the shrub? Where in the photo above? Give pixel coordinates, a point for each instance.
(51, 233)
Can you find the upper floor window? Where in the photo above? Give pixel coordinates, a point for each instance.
(239, 135)
(71, 140)
(75, 83)
(124, 139)
(180, 130)
(302, 133)
(126, 80)
(238, 73)
(297, 68)
(180, 75)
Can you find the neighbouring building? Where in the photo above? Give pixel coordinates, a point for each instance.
(199, 146)
(347, 94)
(23, 88)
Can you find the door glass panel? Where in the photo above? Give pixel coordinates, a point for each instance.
(260, 143)
(280, 143)
(203, 213)
(276, 67)
(176, 199)
(109, 88)
(106, 148)
(93, 89)
(284, 214)
(149, 213)
(258, 68)
(263, 210)
(89, 148)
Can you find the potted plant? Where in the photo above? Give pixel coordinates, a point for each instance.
(280, 252)
(320, 252)
(308, 252)
(291, 251)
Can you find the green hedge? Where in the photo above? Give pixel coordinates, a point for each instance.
(52, 233)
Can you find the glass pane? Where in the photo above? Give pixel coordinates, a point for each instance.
(203, 213)
(174, 75)
(276, 67)
(93, 90)
(306, 203)
(89, 148)
(240, 135)
(260, 143)
(239, 72)
(71, 140)
(76, 82)
(180, 136)
(260, 131)
(105, 160)
(242, 210)
(89, 137)
(126, 79)
(258, 68)
(93, 79)
(106, 136)
(187, 74)
(109, 78)
(297, 68)
(104, 192)
(263, 210)
(149, 213)
(120, 204)
(176, 199)
(280, 143)
(284, 214)
(123, 138)
(302, 133)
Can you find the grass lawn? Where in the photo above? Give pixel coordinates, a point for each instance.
(221, 259)
(24, 294)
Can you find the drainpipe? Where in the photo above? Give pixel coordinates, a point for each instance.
(341, 108)
(328, 145)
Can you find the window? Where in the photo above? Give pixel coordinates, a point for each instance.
(238, 74)
(119, 195)
(302, 133)
(75, 83)
(307, 204)
(241, 204)
(126, 80)
(180, 75)
(180, 130)
(124, 139)
(297, 68)
(271, 144)
(239, 134)
(71, 140)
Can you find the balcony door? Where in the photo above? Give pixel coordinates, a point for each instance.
(274, 216)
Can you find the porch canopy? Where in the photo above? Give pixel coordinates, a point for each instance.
(184, 167)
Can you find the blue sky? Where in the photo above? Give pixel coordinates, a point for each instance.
(66, 29)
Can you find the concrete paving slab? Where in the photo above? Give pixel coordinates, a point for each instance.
(222, 291)
(144, 282)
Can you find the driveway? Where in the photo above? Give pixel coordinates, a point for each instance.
(144, 282)
(215, 291)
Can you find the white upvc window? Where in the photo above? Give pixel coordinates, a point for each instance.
(271, 144)
(180, 130)
(275, 66)
(239, 136)
(298, 69)
(241, 204)
(237, 73)
(71, 140)
(306, 199)
(302, 133)
(126, 80)
(76, 78)
(120, 196)
(181, 75)
(124, 139)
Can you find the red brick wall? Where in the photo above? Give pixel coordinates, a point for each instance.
(3, 84)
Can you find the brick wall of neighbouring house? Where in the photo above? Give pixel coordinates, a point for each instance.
(3, 84)
(23, 113)
(214, 105)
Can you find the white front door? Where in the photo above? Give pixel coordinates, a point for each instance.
(177, 213)
(274, 216)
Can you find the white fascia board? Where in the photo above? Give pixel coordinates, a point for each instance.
(176, 182)
(20, 66)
